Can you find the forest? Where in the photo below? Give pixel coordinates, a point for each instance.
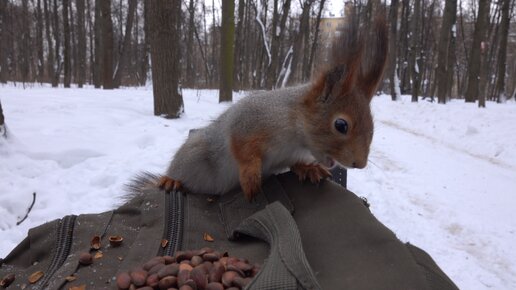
(438, 49)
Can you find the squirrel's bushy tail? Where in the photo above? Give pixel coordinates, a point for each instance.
(142, 181)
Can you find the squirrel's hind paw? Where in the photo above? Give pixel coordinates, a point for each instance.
(313, 172)
(168, 184)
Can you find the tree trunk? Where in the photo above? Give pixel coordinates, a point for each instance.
(97, 69)
(415, 52)
(393, 32)
(450, 9)
(164, 45)
(39, 43)
(4, 72)
(124, 54)
(472, 91)
(483, 77)
(91, 37)
(404, 65)
(3, 129)
(144, 61)
(190, 77)
(226, 51)
(452, 58)
(214, 45)
(66, 52)
(57, 63)
(298, 43)
(316, 39)
(25, 43)
(107, 45)
(50, 56)
(499, 92)
(73, 44)
(270, 74)
(81, 44)
(276, 37)
(239, 47)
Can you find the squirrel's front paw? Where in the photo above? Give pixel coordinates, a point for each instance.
(169, 184)
(314, 172)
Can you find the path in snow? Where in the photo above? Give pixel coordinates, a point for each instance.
(455, 204)
(492, 160)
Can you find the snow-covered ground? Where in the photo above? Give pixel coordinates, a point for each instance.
(442, 177)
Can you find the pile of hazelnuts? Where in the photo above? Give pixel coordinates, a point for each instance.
(204, 269)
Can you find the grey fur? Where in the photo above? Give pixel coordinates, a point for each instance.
(205, 164)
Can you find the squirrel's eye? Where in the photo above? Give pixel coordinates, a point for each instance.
(341, 125)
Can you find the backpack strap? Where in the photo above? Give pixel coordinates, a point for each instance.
(287, 266)
(234, 208)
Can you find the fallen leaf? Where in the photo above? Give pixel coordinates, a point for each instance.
(95, 242)
(120, 258)
(98, 255)
(80, 287)
(164, 243)
(70, 278)
(208, 238)
(34, 277)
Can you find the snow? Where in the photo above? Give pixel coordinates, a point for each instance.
(440, 176)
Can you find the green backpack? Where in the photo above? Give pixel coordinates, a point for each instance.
(304, 236)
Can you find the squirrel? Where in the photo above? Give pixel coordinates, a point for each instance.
(308, 128)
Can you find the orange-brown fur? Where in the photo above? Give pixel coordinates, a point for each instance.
(248, 152)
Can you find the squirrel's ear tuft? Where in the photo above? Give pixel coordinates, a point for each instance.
(372, 73)
(352, 65)
(343, 68)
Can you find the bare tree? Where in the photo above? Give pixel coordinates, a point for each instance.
(3, 44)
(164, 45)
(97, 67)
(415, 51)
(39, 43)
(66, 51)
(226, 51)
(303, 31)
(316, 39)
(25, 43)
(107, 45)
(144, 60)
(239, 46)
(277, 34)
(450, 9)
(190, 77)
(57, 62)
(3, 129)
(499, 93)
(81, 44)
(391, 69)
(472, 91)
(124, 53)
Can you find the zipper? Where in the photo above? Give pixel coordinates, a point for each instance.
(64, 237)
(173, 226)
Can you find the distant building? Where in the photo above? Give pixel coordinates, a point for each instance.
(329, 29)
